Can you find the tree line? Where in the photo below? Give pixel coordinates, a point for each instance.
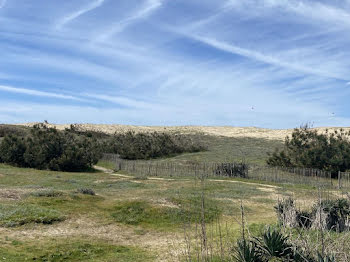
(76, 150)
(329, 151)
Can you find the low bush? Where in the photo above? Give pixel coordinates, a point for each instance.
(17, 215)
(134, 146)
(86, 191)
(307, 148)
(47, 193)
(232, 170)
(13, 130)
(48, 148)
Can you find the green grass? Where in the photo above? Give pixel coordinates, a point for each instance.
(138, 210)
(143, 213)
(229, 149)
(17, 215)
(73, 250)
(106, 164)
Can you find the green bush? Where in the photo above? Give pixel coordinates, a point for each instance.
(13, 130)
(48, 148)
(86, 191)
(12, 149)
(310, 149)
(47, 193)
(131, 145)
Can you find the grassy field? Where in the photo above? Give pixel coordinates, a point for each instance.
(228, 149)
(45, 217)
(106, 216)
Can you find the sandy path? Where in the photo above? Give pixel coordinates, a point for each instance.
(111, 172)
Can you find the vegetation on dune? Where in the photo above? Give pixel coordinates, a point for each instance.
(311, 149)
(48, 148)
(133, 145)
(13, 130)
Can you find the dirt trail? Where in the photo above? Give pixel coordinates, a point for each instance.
(111, 172)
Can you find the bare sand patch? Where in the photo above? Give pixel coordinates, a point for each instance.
(12, 194)
(227, 131)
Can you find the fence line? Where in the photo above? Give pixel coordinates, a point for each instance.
(307, 176)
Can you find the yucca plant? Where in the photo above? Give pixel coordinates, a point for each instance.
(247, 251)
(273, 244)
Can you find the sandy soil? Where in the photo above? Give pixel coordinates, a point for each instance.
(227, 131)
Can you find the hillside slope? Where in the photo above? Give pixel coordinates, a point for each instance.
(226, 131)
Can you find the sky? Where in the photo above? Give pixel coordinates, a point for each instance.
(263, 63)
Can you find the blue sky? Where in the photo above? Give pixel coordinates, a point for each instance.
(265, 63)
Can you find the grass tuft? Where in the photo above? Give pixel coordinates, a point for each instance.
(17, 215)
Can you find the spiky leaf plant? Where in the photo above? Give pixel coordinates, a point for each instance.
(273, 244)
(246, 251)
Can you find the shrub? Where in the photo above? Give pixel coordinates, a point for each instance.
(86, 191)
(47, 193)
(310, 149)
(48, 148)
(232, 170)
(12, 149)
(273, 244)
(134, 146)
(13, 130)
(246, 251)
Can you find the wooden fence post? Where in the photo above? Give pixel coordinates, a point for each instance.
(339, 181)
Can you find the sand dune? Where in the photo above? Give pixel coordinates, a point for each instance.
(228, 131)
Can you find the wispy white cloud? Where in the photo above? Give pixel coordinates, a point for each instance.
(312, 10)
(147, 9)
(65, 20)
(32, 92)
(258, 56)
(124, 101)
(209, 71)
